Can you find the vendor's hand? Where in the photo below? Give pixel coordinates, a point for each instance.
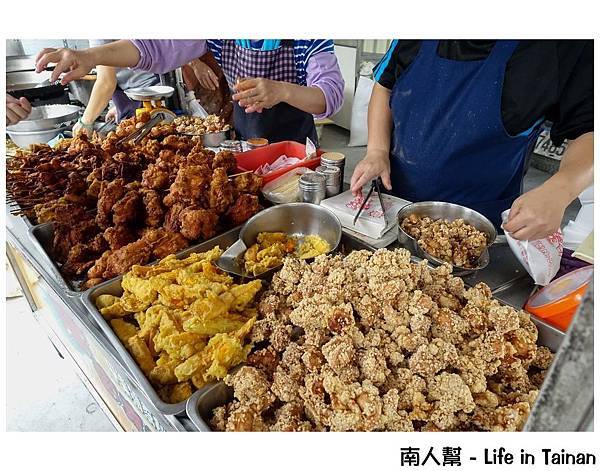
(537, 213)
(75, 64)
(111, 115)
(16, 109)
(257, 94)
(375, 164)
(205, 75)
(79, 128)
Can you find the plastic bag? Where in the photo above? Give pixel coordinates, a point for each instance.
(541, 258)
(360, 108)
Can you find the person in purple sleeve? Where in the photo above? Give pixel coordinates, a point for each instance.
(278, 86)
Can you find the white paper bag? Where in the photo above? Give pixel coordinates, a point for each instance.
(541, 258)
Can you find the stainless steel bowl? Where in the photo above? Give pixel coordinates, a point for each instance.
(215, 139)
(46, 118)
(295, 219)
(449, 211)
(25, 138)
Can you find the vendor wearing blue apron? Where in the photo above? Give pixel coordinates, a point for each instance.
(278, 86)
(457, 121)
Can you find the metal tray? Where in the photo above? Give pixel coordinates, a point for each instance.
(114, 287)
(41, 237)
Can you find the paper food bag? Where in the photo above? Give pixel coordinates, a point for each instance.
(371, 222)
(541, 258)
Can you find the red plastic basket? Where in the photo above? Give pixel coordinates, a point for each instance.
(268, 154)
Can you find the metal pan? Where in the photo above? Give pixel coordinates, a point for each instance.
(200, 405)
(41, 237)
(114, 287)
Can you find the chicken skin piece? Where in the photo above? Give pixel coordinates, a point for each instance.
(222, 192)
(198, 223)
(243, 209)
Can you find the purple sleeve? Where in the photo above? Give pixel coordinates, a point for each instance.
(324, 72)
(163, 55)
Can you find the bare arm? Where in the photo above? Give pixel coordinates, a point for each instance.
(539, 212)
(377, 159)
(106, 83)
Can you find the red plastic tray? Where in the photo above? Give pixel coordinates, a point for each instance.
(268, 154)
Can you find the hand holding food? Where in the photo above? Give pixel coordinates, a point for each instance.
(375, 164)
(16, 109)
(74, 64)
(256, 94)
(537, 213)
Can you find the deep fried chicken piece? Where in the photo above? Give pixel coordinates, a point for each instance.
(244, 207)
(225, 160)
(155, 178)
(222, 192)
(190, 184)
(128, 209)
(173, 217)
(251, 387)
(196, 223)
(153, 209)
(118, 236)
(120, 261)
(110, 193)
(165, 242)
(248, 183)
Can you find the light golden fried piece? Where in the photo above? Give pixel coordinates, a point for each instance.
(124, 330)
(141, 353)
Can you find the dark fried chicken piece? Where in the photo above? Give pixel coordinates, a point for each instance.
(120, 261)
(248, 183)
(243, 209)
(155, 177)
(118, 236)
(196, 223)
(201, 156)
(190, 184)
(165, 242)
(153, 208)
(110, 193)
(83, 255)
(173, 217)
(127, 209)
(226, 160)
(222, 192)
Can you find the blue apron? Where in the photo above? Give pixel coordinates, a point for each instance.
(449, 142)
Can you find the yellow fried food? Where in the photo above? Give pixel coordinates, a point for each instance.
(184, 321)
(271, 248)
(312, 246)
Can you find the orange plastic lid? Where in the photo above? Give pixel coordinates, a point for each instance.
(562, 295)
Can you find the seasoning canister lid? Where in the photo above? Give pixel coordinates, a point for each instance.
(312, 180)
(333, 158)
(255, 142)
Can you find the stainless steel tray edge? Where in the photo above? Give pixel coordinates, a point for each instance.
(35, 234)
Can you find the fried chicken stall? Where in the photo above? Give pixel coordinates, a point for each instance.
(115, 243)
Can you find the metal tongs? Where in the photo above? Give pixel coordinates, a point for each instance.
(140, 133)
(375, 185)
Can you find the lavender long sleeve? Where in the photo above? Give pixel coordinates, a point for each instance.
(163, 55)
(324, 72)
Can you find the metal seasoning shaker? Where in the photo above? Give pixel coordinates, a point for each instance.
(313, 188)
(332, 179)
(334, 159)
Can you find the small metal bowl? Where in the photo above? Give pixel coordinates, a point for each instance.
(212, 139)
(295, 219)
(449, 211)
(26, 138)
